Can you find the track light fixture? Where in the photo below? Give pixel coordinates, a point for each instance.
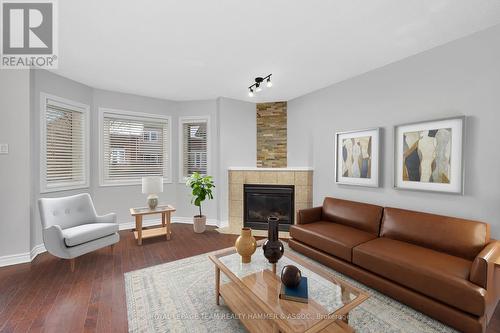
(257, 86)
(269, 83)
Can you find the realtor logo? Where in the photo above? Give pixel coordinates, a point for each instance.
(28, 34)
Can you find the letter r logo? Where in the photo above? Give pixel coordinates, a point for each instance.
(27, 28)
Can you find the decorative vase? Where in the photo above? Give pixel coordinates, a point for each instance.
(152, 201)
(199, 223)
(273, 248)
(245, 245)
(291, 276)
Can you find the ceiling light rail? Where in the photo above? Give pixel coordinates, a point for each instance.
(257, 86)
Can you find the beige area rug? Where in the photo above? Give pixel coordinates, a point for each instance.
(179, 297)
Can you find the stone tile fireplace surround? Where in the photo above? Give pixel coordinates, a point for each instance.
(300, 177)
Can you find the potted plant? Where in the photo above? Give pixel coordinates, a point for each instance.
(201, 187)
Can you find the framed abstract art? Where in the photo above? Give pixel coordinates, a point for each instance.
(357, 157)
(429, 155)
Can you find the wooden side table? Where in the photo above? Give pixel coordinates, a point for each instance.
(166, 214)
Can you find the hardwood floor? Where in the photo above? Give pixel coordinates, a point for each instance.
(45, 296)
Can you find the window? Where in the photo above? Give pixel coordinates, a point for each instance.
(150, 136)
(118, 156)
(194, 146)
(133, 145)
(64, 144)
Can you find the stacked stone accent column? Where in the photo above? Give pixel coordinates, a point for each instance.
(271, 135)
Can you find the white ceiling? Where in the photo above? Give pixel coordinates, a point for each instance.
(203, 49)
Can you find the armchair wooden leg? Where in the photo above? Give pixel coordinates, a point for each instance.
(72, 264)
(112, 247)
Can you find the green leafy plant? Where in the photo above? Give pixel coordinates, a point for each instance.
(201, 189)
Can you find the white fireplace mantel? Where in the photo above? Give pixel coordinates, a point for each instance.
(243, 168)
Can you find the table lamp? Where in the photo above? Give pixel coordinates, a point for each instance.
(152, 186)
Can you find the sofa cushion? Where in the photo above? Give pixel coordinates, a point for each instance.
(354, 214)
(88, 232)
(435, 274)
(332, 238)
(458, 237)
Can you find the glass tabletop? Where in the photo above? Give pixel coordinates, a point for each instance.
(331, 293)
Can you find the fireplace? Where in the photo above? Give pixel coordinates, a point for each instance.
(262, 201)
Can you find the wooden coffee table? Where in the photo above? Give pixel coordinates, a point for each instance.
(166, 214)
(251, 292)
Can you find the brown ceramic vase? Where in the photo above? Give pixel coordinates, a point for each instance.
(246, 245)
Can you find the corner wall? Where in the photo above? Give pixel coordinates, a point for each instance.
(459, 78)
(15, 194)
(237, 145)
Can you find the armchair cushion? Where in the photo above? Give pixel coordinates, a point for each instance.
(88, 232)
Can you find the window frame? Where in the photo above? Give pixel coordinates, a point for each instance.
(77, 107)
(167, 179)
(188, 120)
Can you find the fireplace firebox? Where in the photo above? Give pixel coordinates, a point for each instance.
(262, 201)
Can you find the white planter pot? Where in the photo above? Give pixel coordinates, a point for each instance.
(199, 224)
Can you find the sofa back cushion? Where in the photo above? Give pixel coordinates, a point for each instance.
(458, 237)
(354, 214)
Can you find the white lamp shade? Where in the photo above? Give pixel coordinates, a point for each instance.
(152, 185)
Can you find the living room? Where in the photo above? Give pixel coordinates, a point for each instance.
(340, 149)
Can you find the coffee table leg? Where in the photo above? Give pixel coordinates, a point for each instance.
(217, 285)
(345, 318)
(138, 227)
(163, 219)
(345, 299)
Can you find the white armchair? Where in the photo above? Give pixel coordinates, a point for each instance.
(71, 226)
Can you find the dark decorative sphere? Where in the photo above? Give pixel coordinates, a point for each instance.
(290, 276)
(273, 250)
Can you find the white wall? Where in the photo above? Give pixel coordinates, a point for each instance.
(237, 144)
(15, 166)
(459, 78)
(119, 199)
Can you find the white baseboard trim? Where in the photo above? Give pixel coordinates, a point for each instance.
(175, 219)
(14, 259)
(22, 258)
(40, 248)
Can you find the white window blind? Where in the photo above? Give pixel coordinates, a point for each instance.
(134, 147)
(64, 143)
(194, 147)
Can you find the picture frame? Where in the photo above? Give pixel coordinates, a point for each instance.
(429, 155)
(357, 157)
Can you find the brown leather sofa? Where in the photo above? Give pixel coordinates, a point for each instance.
(442, 266)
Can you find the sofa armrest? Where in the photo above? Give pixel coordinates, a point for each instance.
(108, 218)
(483, 266)
(309, 215)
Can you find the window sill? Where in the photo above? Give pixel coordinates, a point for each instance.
(139, 183)
(64, 188)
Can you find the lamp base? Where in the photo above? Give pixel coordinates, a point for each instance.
(152, 201)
